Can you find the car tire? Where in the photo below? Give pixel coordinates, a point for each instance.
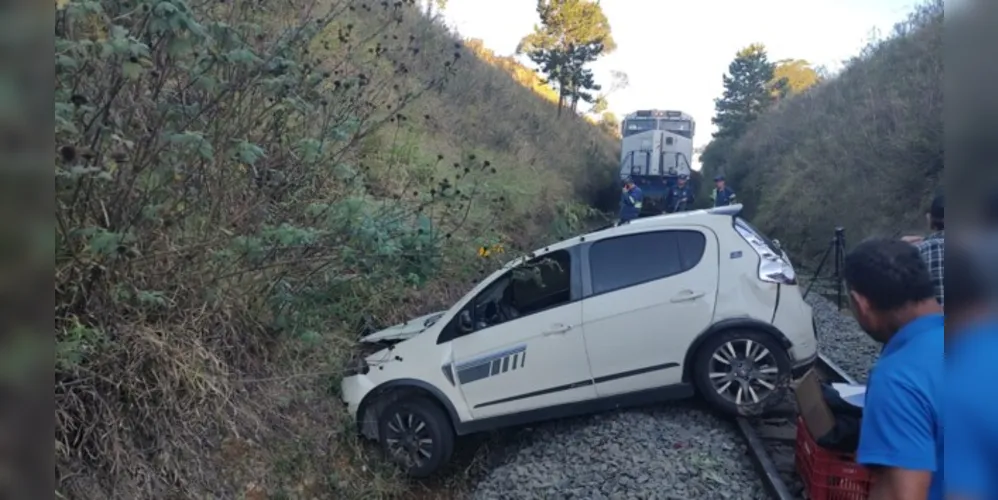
(416, 435)
(738, 384)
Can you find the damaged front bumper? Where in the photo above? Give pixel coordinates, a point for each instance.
(352, 391)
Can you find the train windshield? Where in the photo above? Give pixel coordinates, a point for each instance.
(680, 127)
(636, 126)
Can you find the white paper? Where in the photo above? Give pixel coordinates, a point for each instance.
(852, 394)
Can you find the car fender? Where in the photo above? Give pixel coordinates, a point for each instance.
(727, 325)
(405, 383)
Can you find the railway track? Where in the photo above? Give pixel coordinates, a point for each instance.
(771, 439)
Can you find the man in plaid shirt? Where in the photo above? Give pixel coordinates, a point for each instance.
(932, 247)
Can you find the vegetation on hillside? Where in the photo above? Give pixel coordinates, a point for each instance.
(572, 33)
(862, 150)
(520, 73)
(752, 86)
(241, 188)
(598, 113)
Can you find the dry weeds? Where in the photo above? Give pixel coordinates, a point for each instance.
(241, 188)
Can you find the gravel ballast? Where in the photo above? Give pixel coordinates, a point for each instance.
(841, 339)
(675, 451)
(672, 451)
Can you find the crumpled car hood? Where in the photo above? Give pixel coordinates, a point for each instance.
(405, 330)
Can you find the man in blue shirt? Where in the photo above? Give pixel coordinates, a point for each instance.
(971, 421)
(892, 297)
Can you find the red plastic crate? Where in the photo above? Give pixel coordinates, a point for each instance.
(826, 474)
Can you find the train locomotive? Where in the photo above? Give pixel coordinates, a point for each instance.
(656, 148)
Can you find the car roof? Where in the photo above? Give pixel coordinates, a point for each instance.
(644, 224)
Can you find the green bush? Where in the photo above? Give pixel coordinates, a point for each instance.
(240, 187)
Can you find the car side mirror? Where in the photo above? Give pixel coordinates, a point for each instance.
(776, 243)
(464, 321)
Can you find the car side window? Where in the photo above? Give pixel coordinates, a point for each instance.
(691, 248)
(536, 285)
(634, 259)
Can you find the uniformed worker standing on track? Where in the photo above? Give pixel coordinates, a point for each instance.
(630, 201)
(722, 195)
(680, 197)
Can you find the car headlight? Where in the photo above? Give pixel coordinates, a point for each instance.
(357, 365)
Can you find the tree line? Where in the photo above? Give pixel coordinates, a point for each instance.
(864, 150)
(752, 86)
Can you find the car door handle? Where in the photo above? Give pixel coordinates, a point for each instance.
(686, 295)
(558, 329)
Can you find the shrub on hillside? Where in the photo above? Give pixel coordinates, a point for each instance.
(863, 150)
(567, 155)
(239, 187)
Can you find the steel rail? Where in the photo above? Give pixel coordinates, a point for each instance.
(764, 464)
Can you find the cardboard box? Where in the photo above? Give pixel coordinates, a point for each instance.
(812, 406)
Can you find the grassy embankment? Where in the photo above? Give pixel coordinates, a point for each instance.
(863, 150)
(240, 187)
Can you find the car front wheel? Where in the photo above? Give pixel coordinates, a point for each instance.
(416, 434)
(742, 372)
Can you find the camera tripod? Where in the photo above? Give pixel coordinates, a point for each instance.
(836, 250)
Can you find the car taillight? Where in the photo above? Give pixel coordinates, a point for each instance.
(772, 267)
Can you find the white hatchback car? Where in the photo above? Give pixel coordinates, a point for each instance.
(658, 309)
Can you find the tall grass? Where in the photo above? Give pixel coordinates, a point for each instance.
(241, 187)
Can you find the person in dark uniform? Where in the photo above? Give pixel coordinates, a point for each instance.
(630, 201)
(680, 197)
(722, 195)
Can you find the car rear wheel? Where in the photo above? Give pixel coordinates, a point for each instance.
(742, 372)
(417, 435)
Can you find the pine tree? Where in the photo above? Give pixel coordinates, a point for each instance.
(571, 34)
(582, 83)
(748, 91)
(554, 65)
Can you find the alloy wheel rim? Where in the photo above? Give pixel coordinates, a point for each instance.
(743, 371)
(408, 439)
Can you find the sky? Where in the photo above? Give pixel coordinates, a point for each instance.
(675, 52)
